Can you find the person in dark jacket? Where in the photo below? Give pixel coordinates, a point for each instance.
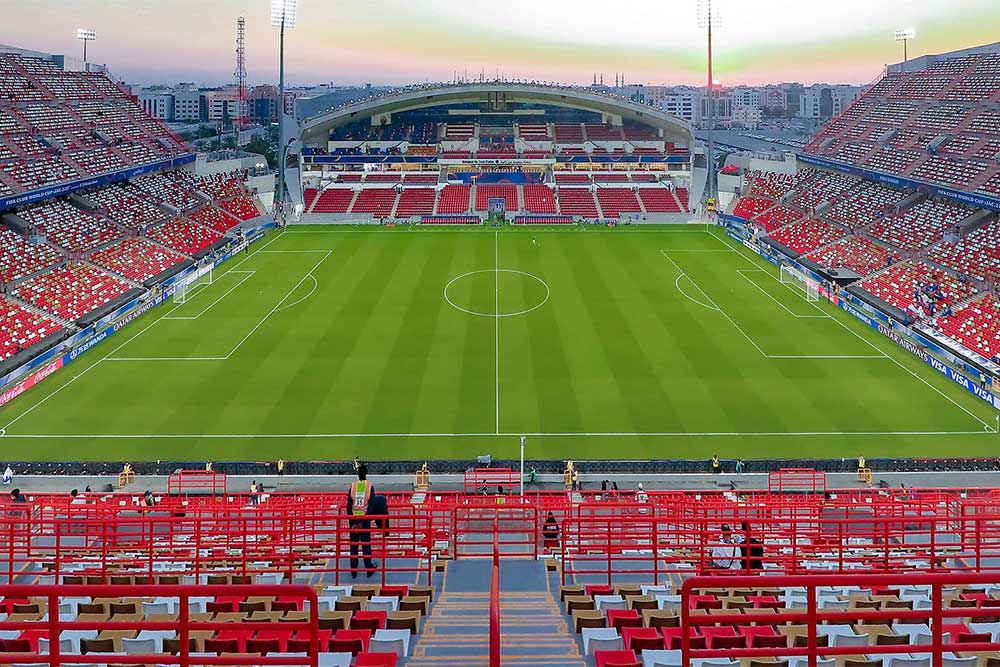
(359, 500)
(751, 550)
(550, 532)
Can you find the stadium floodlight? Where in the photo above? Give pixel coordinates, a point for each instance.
(708, 18)
(284, 14)
(85, 35)
(904, 35)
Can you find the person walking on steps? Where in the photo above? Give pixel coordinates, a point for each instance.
(358, 499)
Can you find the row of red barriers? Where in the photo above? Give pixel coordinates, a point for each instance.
(812, 616)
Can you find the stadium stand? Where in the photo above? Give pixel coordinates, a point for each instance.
(68, 227)
(214, 218)
(454, 199)
(539, 199)
(70, 292)
(183, 236)
(807, 235)
(379, 202)
(21, 328)
(241, 207)
(576, 202)
(334, 200)
(975, 325)
(856, 253)
(659, 200)
(902, 284)
(484, 193)
(977, 255)
(415, 201)
(136, 259)
(920, 226)
(615, 201)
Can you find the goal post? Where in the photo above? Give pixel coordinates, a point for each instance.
(205, 276)
(180, 292)
(797, 280)
(200, 277)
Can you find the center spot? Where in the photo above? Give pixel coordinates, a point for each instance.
(496, 293)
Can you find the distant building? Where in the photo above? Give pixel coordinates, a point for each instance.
(157, 104)
(823, 101)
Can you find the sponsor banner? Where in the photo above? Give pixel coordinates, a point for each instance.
(971, 199)
(27, 383)
(66, 188)
(890, 332)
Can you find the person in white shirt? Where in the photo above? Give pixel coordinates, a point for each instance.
(8, 475)
(725, 554)
(641, 496)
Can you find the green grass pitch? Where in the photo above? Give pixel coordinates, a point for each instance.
(326, 343)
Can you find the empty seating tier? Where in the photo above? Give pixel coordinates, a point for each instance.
(21, 328)
(415, 201)
(539, 199)
(334, 200)
(454, 199)
(577, 202)
(217, 219)
(184, 236)
(659, 200)
(71, 292)
(806, 235)
(615, 201)
(855, 253)
(137, 259)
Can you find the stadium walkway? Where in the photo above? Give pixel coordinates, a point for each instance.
(533, 630)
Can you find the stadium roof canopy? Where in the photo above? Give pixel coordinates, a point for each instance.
(317, 128)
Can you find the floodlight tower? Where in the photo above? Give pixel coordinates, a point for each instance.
(284, 14)
(242, 120)
(904, 35)
(86, 35)
(707, 20)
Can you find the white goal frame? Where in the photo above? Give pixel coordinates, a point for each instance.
(796, 279)
(201, 276)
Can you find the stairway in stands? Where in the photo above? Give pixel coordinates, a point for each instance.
(533, 631)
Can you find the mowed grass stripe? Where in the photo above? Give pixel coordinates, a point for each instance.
(616, 349)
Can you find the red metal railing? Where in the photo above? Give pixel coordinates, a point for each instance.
(51, 627)
(495, 600)
(185, 482)
(812, 616)
(488, 479)
(308, 542)
(796, 479)
(482, 524)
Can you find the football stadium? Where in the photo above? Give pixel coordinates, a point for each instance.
(498, 370)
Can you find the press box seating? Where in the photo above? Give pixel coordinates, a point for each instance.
(377, 201)
(334, 200)
(184, 236)
(71, 292)
(975, 325)
(21, 328)
(415, 201)
(577, 201)
(136, 258)
(615, 201)
(896, 285)
(539, 199)
(214, 218)
(454, 199)
(806, 235)
(856, 253)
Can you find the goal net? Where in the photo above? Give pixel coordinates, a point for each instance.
(794, 278)
(202, 276)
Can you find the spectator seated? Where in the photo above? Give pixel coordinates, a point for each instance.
(916, 284)
(975, 325)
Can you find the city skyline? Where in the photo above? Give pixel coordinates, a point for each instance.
(398, 42)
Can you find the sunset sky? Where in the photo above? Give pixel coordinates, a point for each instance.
(402, 41)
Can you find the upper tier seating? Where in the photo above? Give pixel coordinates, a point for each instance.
(459, 132)
(576, 202)
(161, 189)
(486, 192)
(415, 201)
(615, 201)
(750, 207)
(539, 199)
(824, 186)
(21, 328)
(184, 236)
(899, 284)
(568, 134)
(919, 226)
(659, 200)
(136, 258)
(772, 185)
(533, 131)
(217, 219)
(870, 202)
(426, 179)
(70, 292)
(69, 227)
(777, 217)
(334, 200)
(377, 201)
(563, 178)
(975, 325)
(454, 199)
(806, 235)
(856, 253)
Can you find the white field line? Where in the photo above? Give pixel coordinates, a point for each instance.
(951, 400)
(763, 291)
(711, 305)
(764, 354)
(496, 325)
(303, 298)
(246, 277)
(554, 434)
(123, 344)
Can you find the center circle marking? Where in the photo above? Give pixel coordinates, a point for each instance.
(481, 314)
